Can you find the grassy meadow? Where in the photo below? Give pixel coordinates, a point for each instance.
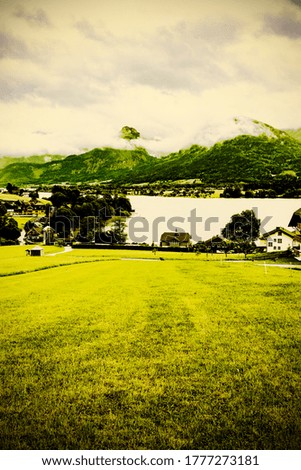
(101, 351)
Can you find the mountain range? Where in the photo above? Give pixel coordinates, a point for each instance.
(245, 150)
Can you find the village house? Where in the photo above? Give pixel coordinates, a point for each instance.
(215, 243)
(281, 239)
(296, 220)
(175, 239)
(35, 233)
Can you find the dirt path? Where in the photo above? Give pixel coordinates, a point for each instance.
(288, 266)
(66, 250)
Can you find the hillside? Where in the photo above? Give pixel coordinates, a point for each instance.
(249, 158)
(295, 133)
(7, 160)
(242, 159)
(97, 164)
(254, 157)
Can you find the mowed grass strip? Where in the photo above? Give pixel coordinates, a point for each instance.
(181, 354)
(13, 259)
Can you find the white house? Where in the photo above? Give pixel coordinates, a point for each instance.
(281, 239)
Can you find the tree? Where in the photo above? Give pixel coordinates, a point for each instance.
(58, 199)
(243, 229)
(129, 133)
(8, 227)
(3, 209)
(285, 181)
(87, 229)
(231, 191)
(11, 188)
(10, 230)
(227, 246)
(122, 206)
(34, 195)
(3, 218)
(117, 230)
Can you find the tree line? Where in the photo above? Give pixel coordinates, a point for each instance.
(9, 230)
(87, 217)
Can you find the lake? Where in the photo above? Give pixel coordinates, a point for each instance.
(202, 218)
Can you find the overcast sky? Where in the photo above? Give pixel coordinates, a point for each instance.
(73, 72)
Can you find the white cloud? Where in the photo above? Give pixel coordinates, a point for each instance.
(36, 17)
(74, 72)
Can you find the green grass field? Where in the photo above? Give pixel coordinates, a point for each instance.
(21, 221)
(110, 353)
(16, 197)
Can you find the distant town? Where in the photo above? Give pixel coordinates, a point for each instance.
(96, 216)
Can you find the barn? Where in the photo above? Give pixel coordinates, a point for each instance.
(35, 251)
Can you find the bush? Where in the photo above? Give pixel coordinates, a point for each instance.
(4, 242)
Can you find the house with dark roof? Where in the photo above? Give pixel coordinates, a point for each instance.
(296, 220)
(215, 243)
(35, 234)
(281, 239)
(35, 251)
(175, 239)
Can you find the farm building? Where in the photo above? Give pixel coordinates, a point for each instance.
(35, 251)
(175, 239)
(281, 239)
(35, 233)
(215, 243)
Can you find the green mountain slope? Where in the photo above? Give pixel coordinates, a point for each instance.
(295, 133)
(249, 158)
(180, 165)
(245, 158)
(6, 160)
(97, 164)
